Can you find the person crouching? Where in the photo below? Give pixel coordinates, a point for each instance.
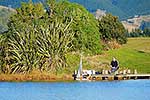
(114, 65)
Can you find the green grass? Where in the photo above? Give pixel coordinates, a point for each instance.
(132, 59)
(133, 55)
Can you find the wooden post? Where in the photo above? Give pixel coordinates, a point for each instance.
(135, 71)
(116, 72)
(124, 72)
(106, 72)
(120, 72)
(75, 72)
(128, 71)
(103, 72)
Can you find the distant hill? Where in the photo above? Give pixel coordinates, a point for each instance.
(16, 3)
(122, 8)
(133, 7)
(136, 22)
(93, 5)
(5, 12)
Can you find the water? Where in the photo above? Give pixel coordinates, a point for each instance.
(116, 90)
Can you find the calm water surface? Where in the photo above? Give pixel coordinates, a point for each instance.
(116, 90)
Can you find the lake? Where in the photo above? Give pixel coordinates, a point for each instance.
(115, 90)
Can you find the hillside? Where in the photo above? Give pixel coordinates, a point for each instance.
(133, 55)
(141, 22)
(93, 5)
(16, 3)
(122, 8)
(136, 7)
(5, 12)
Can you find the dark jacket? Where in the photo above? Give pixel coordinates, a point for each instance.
(114, 64)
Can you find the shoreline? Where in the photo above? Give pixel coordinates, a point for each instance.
(34, 78)
(63, 78)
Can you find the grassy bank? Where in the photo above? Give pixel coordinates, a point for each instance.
(35, 77)
(133, 55)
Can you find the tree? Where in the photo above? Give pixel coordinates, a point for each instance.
(51, 7)
(2, 50)
(146, 31)
(136, 33)
(84, 25)
(4, 54)
(54, 40)
(37, 41)
(112, 29)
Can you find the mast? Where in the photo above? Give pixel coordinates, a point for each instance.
(80, 68)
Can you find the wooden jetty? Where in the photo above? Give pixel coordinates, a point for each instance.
(110, 77)
(125, 74)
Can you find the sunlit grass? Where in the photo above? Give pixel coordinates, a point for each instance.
(133, 55)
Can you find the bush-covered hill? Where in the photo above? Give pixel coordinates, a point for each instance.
(15, 3)
(4, 14)
(130, 7)
(121, 8)
(93, 5)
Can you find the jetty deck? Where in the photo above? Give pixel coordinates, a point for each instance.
(119, 77)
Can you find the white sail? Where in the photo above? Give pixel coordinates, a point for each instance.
(80, 68)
